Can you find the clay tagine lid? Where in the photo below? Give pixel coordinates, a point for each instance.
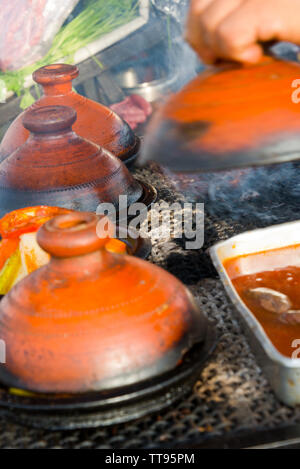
(92, 320)
(56, 167)
(229, 117)
(95, 122)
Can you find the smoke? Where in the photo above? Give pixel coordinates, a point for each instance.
(253, 197)
(181, 56)
(260, 196)
(154, 64)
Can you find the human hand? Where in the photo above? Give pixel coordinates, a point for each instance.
(233, 29)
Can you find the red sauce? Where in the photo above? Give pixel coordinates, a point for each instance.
(285, 279)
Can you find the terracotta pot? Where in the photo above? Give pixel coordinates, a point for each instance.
(92, 320)
(56, 167)
(229, 116)
(95, 121)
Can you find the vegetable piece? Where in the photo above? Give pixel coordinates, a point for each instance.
(116, 246)
(21, 392)
(9, 272)
(7, 248)
(19, 252)
(32, 255)
(26, 220)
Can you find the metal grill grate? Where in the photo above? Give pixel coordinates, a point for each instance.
(232, 395)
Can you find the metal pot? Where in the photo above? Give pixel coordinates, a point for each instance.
(132, 81)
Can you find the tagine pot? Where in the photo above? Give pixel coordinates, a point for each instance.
(229, 116)
(56, 167)
(94, 121)
(92, 320)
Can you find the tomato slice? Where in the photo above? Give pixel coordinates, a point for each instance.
(27, 220)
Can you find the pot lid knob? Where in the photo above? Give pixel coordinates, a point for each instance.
(75, 234)
(49, 119)
(58, 73)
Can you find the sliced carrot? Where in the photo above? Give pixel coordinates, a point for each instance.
(116, 246)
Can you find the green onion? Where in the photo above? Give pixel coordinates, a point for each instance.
(99, 17)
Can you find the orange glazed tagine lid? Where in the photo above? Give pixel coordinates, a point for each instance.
(92, 320)
(56, 167)
(228, 117)
(95, 121)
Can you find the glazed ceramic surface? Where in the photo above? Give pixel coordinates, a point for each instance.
(229, 116)
(92, 320)
(95, 121)
(56, 167)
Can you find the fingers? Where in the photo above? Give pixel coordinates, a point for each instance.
(198, 6)
(211, 17)
(232, 29)
(238, 34)
(252, 54)
(193, 32)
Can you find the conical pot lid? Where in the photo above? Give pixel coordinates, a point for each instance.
(95, 122)
(229, 117)
(92, 320)
(56, 167)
